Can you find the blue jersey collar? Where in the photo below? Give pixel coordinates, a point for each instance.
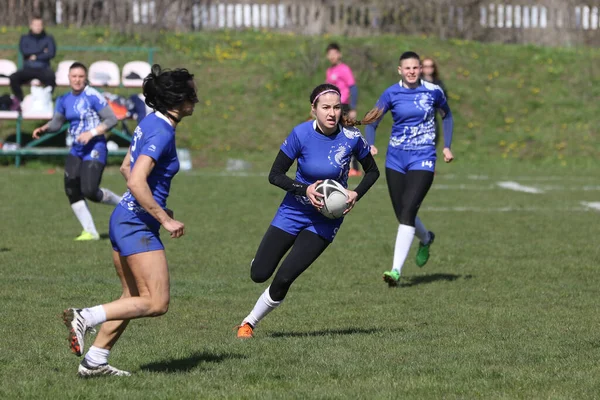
(402, 86)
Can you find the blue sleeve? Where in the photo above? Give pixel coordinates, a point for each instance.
(60, 106)
(384, 104)
(353, 97)
(361, 148)
(447, 125)
(48, 55)
(155, 144)
(291, 146)
(439, 98)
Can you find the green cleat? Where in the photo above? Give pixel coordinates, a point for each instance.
(85, 236)
(423, 252)
(391, 277)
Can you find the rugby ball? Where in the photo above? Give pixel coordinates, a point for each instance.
(334, 198)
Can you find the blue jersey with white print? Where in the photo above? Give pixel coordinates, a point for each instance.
(154, 137)
(413, 112)
(321, 157)
(81, 111)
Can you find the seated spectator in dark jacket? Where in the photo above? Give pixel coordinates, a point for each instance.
(38, 49)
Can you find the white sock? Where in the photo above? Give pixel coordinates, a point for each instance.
(263, 306)
(109, 197)
(94, 315)
(82, 212)
(404, 239)
(421, 232)
(96, 356)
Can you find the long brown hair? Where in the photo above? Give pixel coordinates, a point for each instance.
(373, 115)
(436, 73)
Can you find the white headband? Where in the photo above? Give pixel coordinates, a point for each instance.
(323, 92)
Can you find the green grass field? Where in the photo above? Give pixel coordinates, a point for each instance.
(506, 308)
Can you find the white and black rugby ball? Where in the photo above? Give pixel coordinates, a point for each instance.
(334, 198)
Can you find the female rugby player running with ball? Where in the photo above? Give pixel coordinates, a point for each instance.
(323, 149)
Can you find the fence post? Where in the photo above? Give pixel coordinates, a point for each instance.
(151, 56)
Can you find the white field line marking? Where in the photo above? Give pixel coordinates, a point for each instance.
(442, 186)
(515, 178)
(543, 188)
(508, 209)
(595, 205)
(511, 185)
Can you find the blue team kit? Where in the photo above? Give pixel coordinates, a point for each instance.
(81, 111)
(412, 141)
(319, 157)
(132, 229)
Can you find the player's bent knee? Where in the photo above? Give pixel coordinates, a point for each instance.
(72, 191)
(261, 270)
(93, 194)
(159, 309)
(259, 275)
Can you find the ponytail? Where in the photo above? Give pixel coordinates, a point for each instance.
(373, 115)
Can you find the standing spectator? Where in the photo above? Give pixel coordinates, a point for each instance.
(340, 75)
(431, 74)
(38, 48)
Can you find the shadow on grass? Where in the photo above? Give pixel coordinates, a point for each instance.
(4, 249)
(188, 363)
(430, 278)
(328, 332)
(104, 236)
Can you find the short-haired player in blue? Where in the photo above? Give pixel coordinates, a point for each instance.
(411, 155)
(323, 149)
(138, 253)
(90, 118)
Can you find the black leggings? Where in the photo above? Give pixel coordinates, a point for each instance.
(306, 248)
(407, 192)
(82, 179)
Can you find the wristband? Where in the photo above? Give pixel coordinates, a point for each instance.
(94, 132)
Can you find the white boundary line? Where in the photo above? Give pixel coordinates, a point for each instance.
(593, 205)
(510, 209)
(512, 185)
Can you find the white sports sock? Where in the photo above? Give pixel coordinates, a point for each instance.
(404, 239)
(94, 316)
(263, 306)
(421, 232)
(82, 212)
(96, 356)
(108, 197)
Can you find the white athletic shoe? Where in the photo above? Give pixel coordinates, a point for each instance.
(78, 327)
(85, 370)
